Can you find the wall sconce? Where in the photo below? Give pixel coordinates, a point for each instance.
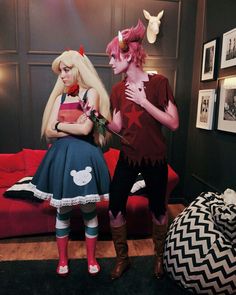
(151, 72)
(230, 83)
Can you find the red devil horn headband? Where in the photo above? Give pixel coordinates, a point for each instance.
(122, 43)
(81, 50)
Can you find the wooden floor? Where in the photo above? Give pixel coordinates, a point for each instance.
(44, 247)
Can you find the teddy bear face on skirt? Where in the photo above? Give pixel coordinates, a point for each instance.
(82, 177)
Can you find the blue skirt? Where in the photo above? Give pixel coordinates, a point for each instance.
(72, 172)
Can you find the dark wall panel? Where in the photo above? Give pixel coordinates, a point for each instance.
(8, 19)
(41, 81)
(170, 73)
(211, 157)
(166, 45)
(67, 24)
(10, 104)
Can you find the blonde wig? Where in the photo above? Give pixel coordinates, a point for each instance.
(87, 77)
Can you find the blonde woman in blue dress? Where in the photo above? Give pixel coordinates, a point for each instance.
(74, 172)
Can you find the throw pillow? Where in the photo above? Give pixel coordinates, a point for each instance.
(7, 179)
(21, 190)
(139, 187)
(12, 162)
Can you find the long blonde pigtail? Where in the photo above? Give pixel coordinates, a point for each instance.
(57, 90)
(104, 100)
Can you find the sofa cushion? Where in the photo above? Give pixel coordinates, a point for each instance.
(12, 162)
(21, 190)
(139, 187)
(111, 157)
(9, 178)
(32, 159)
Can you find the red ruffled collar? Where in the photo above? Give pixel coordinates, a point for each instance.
(73, 90)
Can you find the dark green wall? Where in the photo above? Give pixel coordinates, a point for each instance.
(210, 157)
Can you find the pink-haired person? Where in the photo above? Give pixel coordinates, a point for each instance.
(142, 103)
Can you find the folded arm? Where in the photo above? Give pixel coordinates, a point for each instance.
(81, 127)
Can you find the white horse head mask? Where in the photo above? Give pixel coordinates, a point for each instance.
(153, 25)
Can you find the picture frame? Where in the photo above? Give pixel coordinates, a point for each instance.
(227, 104)
(228, 52)
(205, 108)
(209, 50)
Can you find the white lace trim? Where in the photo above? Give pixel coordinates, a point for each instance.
(68, 202)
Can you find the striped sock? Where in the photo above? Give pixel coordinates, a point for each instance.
(91, 233)
(89, 214)
(63, 221)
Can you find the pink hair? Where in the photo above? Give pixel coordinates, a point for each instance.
(133, 38)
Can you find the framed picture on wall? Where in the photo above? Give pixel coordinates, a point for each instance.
(228, 53)
(209, 60)
(205, 108)
(227, 104)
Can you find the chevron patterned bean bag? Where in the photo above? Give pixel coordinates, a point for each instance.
(200, 248)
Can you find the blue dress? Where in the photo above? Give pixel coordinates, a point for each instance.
(73, 170)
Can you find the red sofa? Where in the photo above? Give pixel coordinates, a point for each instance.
(22, 217)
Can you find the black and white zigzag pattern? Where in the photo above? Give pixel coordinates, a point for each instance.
(224, 217)
(22, 190)
(200, 248)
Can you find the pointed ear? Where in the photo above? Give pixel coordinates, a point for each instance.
(160, 15)
(146, 14)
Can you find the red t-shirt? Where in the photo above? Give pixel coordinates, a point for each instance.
(143, 138)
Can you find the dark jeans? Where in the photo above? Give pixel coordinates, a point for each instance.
(155, 177)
